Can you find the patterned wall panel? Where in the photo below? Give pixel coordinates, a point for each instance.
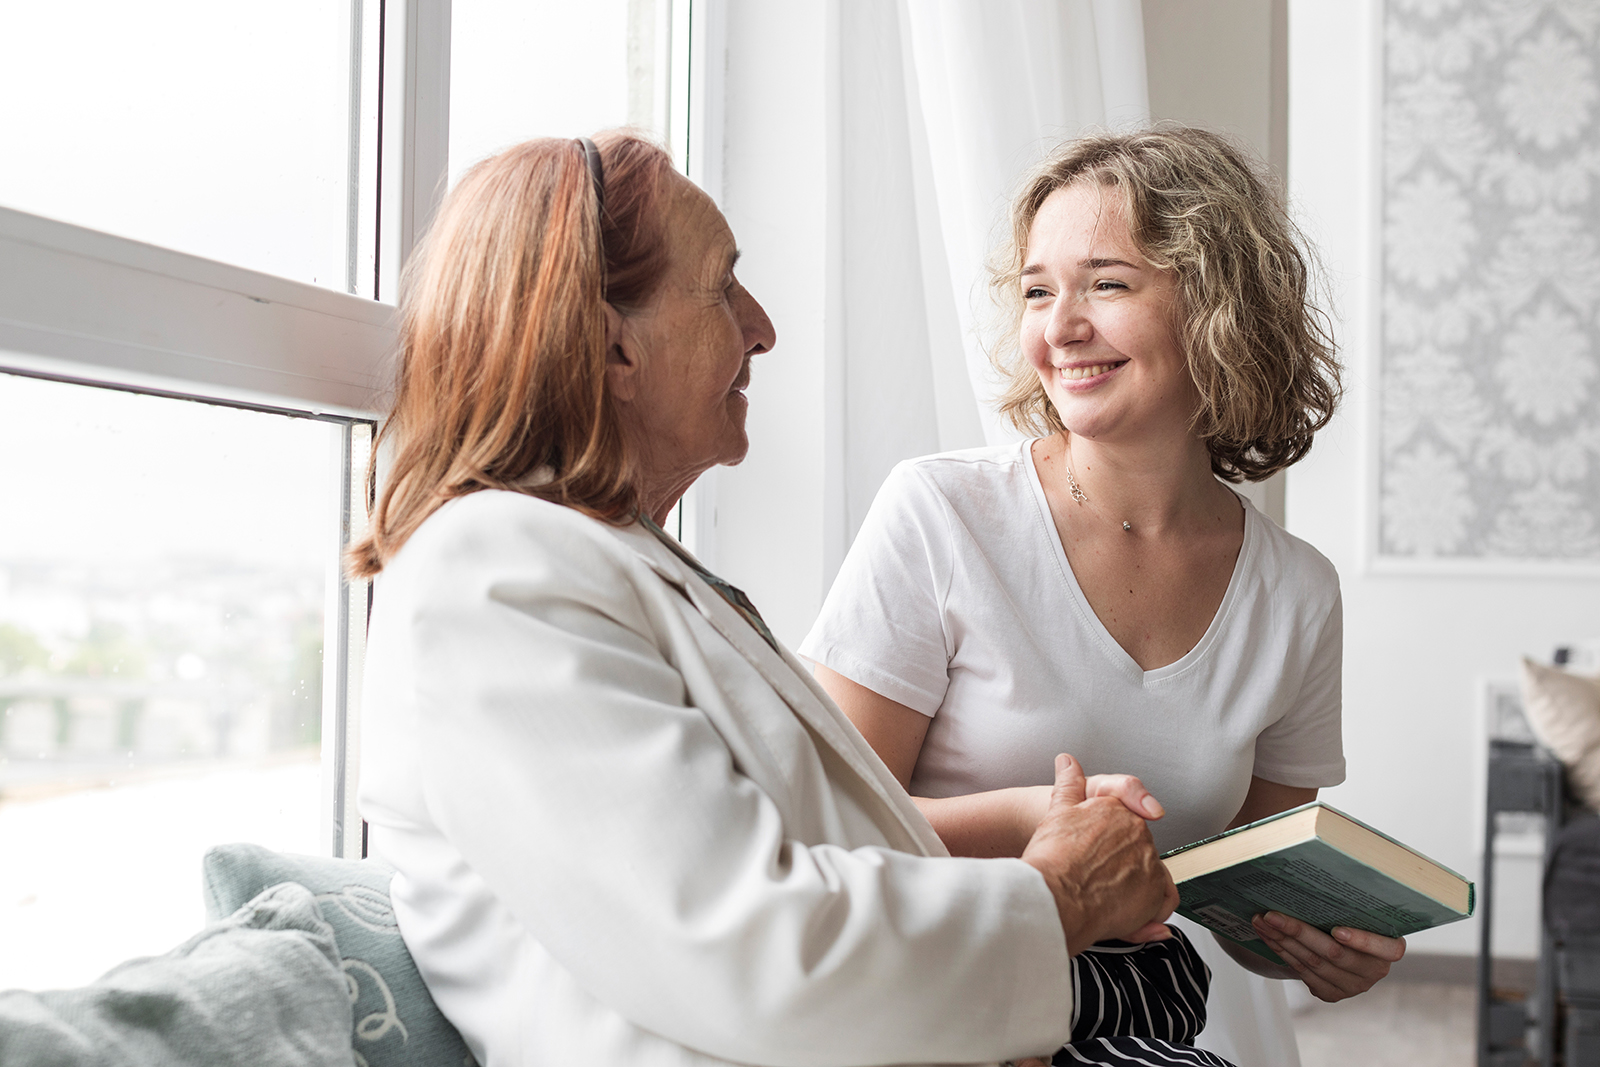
(1489, 428)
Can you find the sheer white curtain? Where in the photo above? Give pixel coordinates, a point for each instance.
(996, 86)
(943, 105)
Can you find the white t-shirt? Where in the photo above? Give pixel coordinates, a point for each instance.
(957, 600)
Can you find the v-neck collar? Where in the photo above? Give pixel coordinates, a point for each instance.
(1114, 650)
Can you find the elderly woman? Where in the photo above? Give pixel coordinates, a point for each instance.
(628, 827)
(1098, 588)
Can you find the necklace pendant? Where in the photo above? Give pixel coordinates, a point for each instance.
(1127, 527)
(1072, 485)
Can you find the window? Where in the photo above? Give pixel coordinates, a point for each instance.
(530, 68)
(162, 625)
(170, 580)
(181, 443)
(198, 126)
(522, 69)
(201, 212)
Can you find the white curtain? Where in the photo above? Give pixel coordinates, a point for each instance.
(997, 85)
(944, 105)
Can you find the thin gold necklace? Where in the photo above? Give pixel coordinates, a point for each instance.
(1077, 493)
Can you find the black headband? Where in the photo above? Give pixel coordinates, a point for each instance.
(597, 172)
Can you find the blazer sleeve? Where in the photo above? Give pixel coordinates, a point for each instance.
(560, 755)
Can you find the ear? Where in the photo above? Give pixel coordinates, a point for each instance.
(622, 364)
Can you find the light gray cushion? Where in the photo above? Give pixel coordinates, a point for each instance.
(396, 1023)
(261, 988)
(1564, 711)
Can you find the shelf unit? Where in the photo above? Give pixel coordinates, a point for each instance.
(1526, 779)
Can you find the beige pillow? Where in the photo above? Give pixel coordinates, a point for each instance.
(1564, 710)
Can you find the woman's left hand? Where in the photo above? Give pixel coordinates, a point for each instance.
(1347, 963)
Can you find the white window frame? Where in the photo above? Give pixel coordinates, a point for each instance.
(90, 308)
(696, 137)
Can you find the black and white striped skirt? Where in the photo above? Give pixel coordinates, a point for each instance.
(1139, 1004)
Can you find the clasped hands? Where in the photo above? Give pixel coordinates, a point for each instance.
(1099, 861)
(1096, 854)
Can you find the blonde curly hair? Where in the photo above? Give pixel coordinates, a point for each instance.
(1259, 349)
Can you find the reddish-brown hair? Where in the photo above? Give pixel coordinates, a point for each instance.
(502, 380)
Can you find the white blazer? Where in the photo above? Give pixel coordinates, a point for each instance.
(628, 832)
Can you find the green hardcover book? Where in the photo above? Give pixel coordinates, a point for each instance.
(1320, 866)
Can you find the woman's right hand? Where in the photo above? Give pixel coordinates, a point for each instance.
(1032, 802)
(1128, 789)
(1098, 859)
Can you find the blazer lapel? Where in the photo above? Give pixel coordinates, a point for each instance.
(793, 683)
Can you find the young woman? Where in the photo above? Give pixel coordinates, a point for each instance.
(1099, 589)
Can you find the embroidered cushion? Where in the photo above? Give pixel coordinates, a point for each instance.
(395, 1021)
(1564, 710)
(261, 988)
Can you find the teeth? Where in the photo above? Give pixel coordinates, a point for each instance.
(1073, 374)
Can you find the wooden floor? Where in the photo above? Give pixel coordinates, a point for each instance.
(1415, 1024)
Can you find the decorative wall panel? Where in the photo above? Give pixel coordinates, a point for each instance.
(1489, 406)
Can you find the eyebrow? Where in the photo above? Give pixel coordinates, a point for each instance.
(1087, 264)
(733, 259)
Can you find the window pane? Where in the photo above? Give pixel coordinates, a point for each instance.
(219, 129)
(163, 568)
(552, 68)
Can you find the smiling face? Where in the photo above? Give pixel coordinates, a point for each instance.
(1097, 321)
(680, 364)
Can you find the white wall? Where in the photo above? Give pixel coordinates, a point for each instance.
(1212, 64)
(1416, 647)
(1222, 64)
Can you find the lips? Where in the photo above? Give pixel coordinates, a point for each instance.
(741, 383)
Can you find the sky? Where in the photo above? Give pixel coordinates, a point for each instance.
(99, 475)
(218, 129)
(207, 128)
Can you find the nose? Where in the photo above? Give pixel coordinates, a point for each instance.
(759, 334)
(1067, 323)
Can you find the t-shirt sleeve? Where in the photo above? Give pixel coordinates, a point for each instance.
(882, 624)
(1305, 747)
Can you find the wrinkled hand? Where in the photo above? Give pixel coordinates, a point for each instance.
(1348, 963)
(1100, 863)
